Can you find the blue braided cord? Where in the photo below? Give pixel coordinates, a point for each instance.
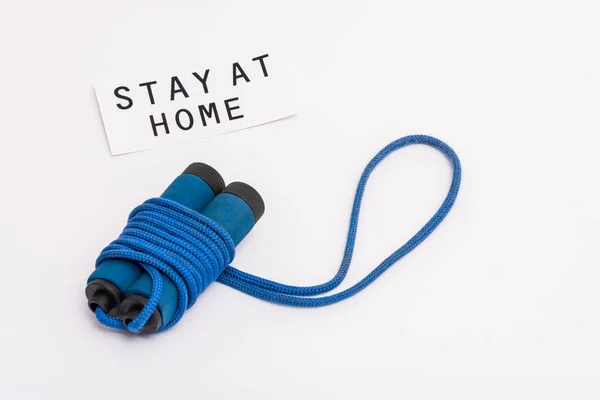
(291, 295)
(169, 239)
(165, 237)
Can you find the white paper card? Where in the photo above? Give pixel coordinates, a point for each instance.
(207, 98)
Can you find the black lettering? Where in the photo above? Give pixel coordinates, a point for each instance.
(212, 110)
(190, 118)
(262, 63)
(123, 97)
(180, 89)
(238, 72)
(203, 79)
(230, 109)
(164, 123)
(149, 87)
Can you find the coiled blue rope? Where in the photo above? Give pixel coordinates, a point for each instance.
(167, 238)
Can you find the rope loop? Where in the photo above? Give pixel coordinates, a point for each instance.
(297, 296)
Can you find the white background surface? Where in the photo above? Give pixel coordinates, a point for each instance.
(501, 302)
